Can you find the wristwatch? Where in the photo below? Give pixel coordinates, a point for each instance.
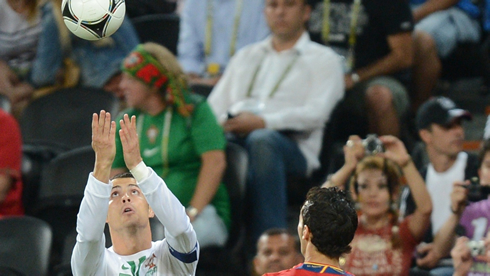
(192, 211)
(355, 77)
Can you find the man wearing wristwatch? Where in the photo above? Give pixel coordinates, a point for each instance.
(375, 39)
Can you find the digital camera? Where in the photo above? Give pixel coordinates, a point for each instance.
(476, 248)
(372, 145)
(477, 192)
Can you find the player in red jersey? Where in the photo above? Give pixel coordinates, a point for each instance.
(327, 223)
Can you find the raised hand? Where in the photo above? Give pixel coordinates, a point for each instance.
(394, 150)
(353, 151)
(130, 142)
(103, 144)
(459, 195)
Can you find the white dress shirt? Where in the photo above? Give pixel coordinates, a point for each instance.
(304, 98)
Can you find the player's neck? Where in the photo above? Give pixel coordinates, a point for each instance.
(314, 256)
(131, 241)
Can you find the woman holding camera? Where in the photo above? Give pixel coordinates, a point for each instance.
(382, 245)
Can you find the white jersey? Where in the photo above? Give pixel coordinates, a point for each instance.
(177, 254)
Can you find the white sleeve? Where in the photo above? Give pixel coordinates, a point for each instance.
(179, 233)
(88, 254)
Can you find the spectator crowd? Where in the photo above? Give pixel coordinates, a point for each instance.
(334, 100)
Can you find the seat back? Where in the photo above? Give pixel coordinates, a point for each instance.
(159, 28)
(215, 260)
(202, 89)
(55, 123)
(235, 180)
(63, 117)
(61, 190)
(64, 178)
(34, 159)
(25, 245)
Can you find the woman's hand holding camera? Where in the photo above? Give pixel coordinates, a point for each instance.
(395, 151)
(353, 151)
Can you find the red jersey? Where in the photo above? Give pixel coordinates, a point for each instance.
(10, 163)
(311, 269)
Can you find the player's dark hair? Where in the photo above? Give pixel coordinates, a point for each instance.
(332, 219)
(122, 175)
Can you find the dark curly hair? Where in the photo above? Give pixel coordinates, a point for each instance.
(332, 219)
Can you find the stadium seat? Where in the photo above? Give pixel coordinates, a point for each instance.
(61, 190)
(25, 246)
(201, 89)
(64, 116)
(160, 28)
(55, 123)
(231, 258)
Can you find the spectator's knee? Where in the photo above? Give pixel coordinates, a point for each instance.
(379, 98)
(260, 136)
(261, 141)
(425, 45)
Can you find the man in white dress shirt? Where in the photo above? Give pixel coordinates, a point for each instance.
(276, 96)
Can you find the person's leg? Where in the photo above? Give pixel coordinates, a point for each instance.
(440, 27)
(386, 102)
(382, 116)
(272, 156)
(210, 228)
(426, 68)
(449, 27)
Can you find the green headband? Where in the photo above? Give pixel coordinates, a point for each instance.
(141, 65)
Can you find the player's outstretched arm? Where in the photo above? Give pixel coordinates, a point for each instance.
(88, 254)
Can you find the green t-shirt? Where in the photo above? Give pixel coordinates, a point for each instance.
(188, 139)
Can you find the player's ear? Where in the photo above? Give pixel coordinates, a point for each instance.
(306, 233)
(150, 212)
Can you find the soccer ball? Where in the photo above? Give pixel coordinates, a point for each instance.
(93, 19)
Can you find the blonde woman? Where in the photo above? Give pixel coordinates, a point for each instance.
(383, 245)
(179, 138)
